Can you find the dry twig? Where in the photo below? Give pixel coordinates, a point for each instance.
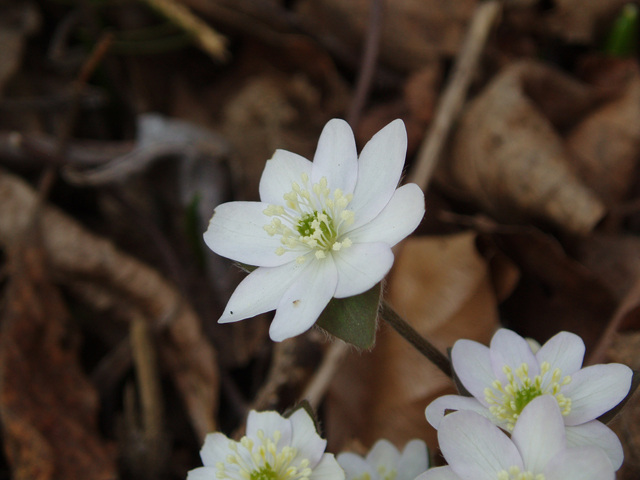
(453, 98)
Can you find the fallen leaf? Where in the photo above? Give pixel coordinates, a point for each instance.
(414, 32)
(48, 407)
(508, 156)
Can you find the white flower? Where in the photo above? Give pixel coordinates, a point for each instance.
(275, 448)
(385, 462)
(504, 378)
(475, 449)
(322, 230)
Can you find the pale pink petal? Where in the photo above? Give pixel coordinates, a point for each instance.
(564, 351)
(306, 439)
(472, 363)
(360, 267)
(355, 466)
(215, 449)
(435, 412)
(413, 461)
(236, 231)
(474, 447)
(439, 473)
(383, 454)
(261, 291)
(304, 301)
(336, 157)
(597, 434)
(510, 349)
(327, 469)
(398, 219)
(595, 390)
(579, 463)
(269, 422)
(539, 432)
(379, 169)
(280, 172)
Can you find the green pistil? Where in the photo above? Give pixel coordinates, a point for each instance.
(264, 473)
(305, 229)
(523, 396)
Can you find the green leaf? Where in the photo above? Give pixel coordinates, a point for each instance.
(353, 319)
(623, 39)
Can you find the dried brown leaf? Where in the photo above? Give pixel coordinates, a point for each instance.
(414, 32)
(508, 156)
(442, 287)
(48, 407)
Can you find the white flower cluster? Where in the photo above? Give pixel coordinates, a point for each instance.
(531, 416)
(323, 230)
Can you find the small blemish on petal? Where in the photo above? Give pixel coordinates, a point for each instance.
(296, 303)
(230, 312)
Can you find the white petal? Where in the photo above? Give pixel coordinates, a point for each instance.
(598, 434)
(384, 454)
(269, 422)
(474, 447)
(215, 449)
(436, 409)
(280, 172)
(439, 473)
(580, 463)
(595, 390)
(472, 363)
(539, 432)
(360, 267)
(304, 301)
(355, 466)
(564, 351)
(327, 469)
(236, 232)
(203, 473)
(261, 291)
(398, 219)
(306, 439)
(413, 461)
(336, 157)
(509, 348)
(379, 169)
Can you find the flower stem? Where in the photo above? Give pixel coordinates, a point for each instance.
(400, 325)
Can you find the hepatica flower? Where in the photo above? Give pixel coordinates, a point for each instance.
(275, 448)
(385, 462)
(507, 376)
(537, 450)
(321, 230)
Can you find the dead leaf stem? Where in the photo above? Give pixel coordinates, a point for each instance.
(452, 100)
(400, 325)
(321, 380)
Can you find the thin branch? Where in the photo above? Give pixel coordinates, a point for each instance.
(367, 70)
(321, 380)
(453, 98)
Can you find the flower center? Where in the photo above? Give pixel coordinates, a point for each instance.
(514, 473)
(387, 474)
(508, 401)
(262, 461)
(314, 220)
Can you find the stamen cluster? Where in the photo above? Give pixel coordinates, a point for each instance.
(313, 219)
(514, 473)
(507, 402)
(263, 461)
